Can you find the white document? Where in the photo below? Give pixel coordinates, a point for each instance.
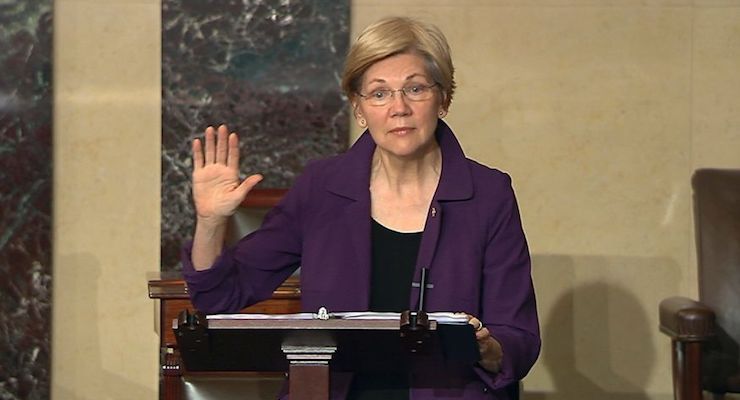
(440, 317)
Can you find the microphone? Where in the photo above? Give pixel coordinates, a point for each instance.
(422, 288)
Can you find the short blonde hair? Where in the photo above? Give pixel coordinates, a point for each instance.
(397, 35)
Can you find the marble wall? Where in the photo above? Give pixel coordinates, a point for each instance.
(268, 69)
(107, 159)
(599, 109)
(25, 198)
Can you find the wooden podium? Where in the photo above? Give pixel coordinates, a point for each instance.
(308, 346)
(172, 293)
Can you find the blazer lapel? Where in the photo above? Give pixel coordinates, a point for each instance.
(455, 184)
(351, 180)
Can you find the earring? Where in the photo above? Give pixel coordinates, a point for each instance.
(442, 113)
(363, 122)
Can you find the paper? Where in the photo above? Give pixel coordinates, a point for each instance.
(440, 317)
(263, 316)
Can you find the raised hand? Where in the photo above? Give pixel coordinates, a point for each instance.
(217, 192)
(217, 188)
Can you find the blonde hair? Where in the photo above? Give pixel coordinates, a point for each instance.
(398, 35)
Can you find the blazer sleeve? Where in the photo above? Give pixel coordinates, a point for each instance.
(252, 269)
(508, 306)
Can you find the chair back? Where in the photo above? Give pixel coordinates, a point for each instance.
(717, 228)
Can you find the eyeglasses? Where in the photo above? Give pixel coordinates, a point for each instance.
(415, 92)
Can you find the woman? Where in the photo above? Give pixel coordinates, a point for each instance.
(363, 224)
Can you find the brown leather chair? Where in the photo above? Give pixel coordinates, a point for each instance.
(705, 333)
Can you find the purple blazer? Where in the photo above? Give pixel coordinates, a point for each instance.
(473, 245)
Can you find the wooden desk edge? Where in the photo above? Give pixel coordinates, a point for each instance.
(177, 289)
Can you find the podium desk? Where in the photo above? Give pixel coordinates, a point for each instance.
(171, 291)
(220, 349)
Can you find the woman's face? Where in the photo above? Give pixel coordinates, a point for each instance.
(403, 127)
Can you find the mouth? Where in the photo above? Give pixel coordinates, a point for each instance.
(403, 130)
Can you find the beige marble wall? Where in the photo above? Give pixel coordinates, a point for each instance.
(106, 198)
(599, 109)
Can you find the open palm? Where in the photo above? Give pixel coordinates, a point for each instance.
(217, 189)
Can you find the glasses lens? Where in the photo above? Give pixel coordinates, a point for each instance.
(414, 92)
(417, 92)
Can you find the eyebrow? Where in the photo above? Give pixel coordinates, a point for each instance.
(414, 75)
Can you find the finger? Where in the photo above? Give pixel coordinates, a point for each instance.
(197, 154)
(232, 160)
(482, 348)
(248, 184)
(482, 334)
(477, 324)
(210, 152)
(222, 147)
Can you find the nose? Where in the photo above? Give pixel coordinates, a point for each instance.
(399, 104)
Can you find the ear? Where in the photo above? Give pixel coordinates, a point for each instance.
(361, 121)
(442, 112)
(443, 105)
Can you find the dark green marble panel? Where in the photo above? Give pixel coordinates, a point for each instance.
(270, 70)
(25, 198)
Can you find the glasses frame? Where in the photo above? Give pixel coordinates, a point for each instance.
(368, 97)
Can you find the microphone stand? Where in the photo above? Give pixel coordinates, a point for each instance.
(415, 324)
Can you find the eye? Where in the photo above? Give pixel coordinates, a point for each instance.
(379, 94)
(415, 89)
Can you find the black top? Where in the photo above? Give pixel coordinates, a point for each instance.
(393, 263)
(394, 260)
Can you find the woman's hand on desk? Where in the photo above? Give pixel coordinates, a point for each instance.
(490, 349)
(217, 189)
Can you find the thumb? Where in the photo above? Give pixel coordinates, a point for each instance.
(248, 184)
